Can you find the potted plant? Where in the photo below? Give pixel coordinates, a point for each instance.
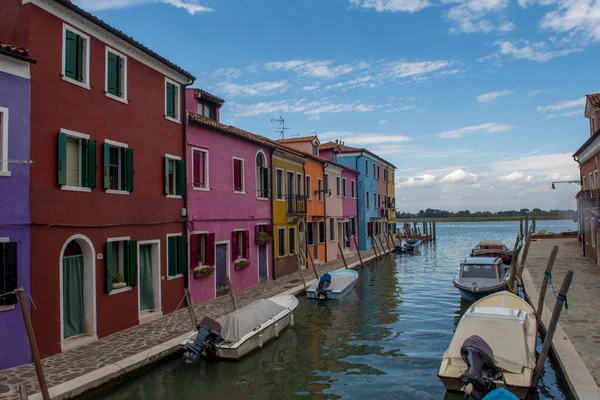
(241, 263)
(202, 271)
(263, 238)
(118, 281)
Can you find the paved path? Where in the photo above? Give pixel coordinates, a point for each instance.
(581, 321)
(74, 363)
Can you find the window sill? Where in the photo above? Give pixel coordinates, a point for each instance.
(262, 198)
(7, 308)
(117, 291)
(75, 188)
(5, 173)
(236, 192)
(121, 192)
(202, 189)
(170, 278)
(174, 196)
(282, 200)
(76, 83)
(117, 98)
(172, 119)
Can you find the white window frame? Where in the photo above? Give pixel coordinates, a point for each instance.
(86, 70)
(308, 187)
(4, 142)
(124, 89)
(177, 118)
(171, 277)
(299, 190)
(282, 185)
(281, 228)
(206, 187)
(124, 146)
(77, 135)
(338, 186)
(120, 239)
(242, 176)
(289, 233)
(175, 158)
(352, 189)
(344, 188)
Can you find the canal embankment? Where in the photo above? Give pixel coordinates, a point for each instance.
(119, 356)
(576, 343)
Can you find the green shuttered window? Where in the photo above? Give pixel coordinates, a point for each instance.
(76, 161)
(118, 168)
(172, 100)
(174, 177)
(115, 74)
(75, 56)
(121, 259)
(8, 272)
(177, 252)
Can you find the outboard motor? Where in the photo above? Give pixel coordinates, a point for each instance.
(479, 378)
(324, 283)
(207, 339)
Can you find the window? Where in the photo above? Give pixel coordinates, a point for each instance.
(385, 201)
(262, 176)
(308, 187)
(596, 179)
(332, 229)
(120, 259)
(334, 156)
(337, 186)
(279, 184)
(239, 181)
(591, 182)
(583, 184)
(321, 231)
(326, 185)
(76, 57)
(344, 188)
(368, 199)
(177, 253)
(240, 244)
(378, 172)
(207, 110)
(4, 141)
(353, 226)
(310, 237)
(171, 100)
(200, 169)
(352, 189)
(292, 240)
(367, 167)
(281, 242)
(319, 189)
(118, 167)
(374, 171)
(8, 272)
(385, 175)
(202, 249)
(299, 185)
(174, 176)
(76, 161)
(116, 75)
(315, 150)
(378, 197)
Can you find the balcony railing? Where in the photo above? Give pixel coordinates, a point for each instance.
(296, 204)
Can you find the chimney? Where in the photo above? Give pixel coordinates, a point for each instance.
(336, 141)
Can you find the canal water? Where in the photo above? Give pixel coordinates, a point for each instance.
(383, 341)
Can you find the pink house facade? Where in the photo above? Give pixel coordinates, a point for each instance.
(229, 207)
(333, 210)
(349, 208)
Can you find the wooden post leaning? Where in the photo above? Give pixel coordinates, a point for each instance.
(300, 271)
(547, 276)
(381, 244)
(525, 253)
(342, 254)
(190, 307)
(314, 266)
(374, 247)
(358, 251)
(513, 272)
(521, 227)
(434, 233)
(387, 242)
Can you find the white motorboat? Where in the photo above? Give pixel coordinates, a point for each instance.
(333, 286)
(480, 276)
(238, 333)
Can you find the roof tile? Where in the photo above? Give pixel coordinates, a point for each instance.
(594, 99)
(298, 139)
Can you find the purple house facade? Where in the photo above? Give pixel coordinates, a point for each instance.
(229, 206)
(349, 206)
(14, 201)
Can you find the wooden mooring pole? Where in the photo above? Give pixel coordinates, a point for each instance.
(532, 224)
(358, 251)
(35, 354)
(387, 242)
(547, 276)
(314, 267)
(434, 233)
(342, 254)
(521, 227)
(525, 253)
(374, 247)
(551, 328)
(513, 272)
(517, 242)
(190, 307)
(526, 226)
(300, 270)
(233, 299)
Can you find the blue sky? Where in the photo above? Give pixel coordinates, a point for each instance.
(478, 103)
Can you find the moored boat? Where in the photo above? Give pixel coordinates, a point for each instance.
(480, 276)
(238, 333)
(493, 248)
(333, 286)
(493, 347)
(408, 245)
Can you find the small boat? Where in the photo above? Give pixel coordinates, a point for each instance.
(236, 334)
(493, 248)
(493, 347)
(480, 276)
(333, 286)
(408, 245)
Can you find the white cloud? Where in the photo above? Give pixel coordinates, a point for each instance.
(563, 105)
(191, 6)
(383, 121)
(459, 176)
(301, 105)
(363, 81)
(470, 16)
(524, 50)
(545, 163)
(392, 5)
(315, 69)
(535, 93)
(516, 177)
(419, 180)
(490, 97)
(228, 73)
(572, 16)
(254, 89)
(311, 87)
(403, 69)
(490, 127)
(397, 109)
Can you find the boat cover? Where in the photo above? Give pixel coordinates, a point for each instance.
(339, 282)
(491, 243)
(243, 321)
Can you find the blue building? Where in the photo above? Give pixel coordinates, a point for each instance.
(371, 191)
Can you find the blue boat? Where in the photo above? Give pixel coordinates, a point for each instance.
(333, 286)
(480, 276)
(408, 246)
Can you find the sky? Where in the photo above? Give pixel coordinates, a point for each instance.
(478, 103)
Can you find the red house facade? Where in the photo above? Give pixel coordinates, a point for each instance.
(108, 238)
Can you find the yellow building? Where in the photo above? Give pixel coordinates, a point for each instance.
(389, 176)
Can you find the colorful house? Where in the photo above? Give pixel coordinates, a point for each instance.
(14, 201)
(349, 209)
(229, 206)
(389, 178)
(108, 182)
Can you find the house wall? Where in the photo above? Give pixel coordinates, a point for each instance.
(220, 210)
(314, 207)
(333, 209)
(14, 206)
(391, 193)
(349, 203)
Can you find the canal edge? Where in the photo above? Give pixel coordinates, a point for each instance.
(580, 382)
(107, 374)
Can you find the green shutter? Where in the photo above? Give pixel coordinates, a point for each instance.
(182, 254)
(62, 158)
(131, 266)
(91, 164)
(70, 55)
(170, 100)
(106, 162)
(109, 267)
(83, 174)
(79, 70)
(112, 71)
(172, 255)
(123, 168)
(180, 175)
(167, 188)
(129, 171)
(119, 73)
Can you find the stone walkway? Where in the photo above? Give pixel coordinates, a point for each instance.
(581, 321)
(74, 363)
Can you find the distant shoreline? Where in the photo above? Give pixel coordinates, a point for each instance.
(488, 219)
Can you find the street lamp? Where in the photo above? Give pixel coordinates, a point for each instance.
(554, 187)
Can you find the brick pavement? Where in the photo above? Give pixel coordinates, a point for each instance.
(77, 362)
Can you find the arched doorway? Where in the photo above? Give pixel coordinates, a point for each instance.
(78, 306)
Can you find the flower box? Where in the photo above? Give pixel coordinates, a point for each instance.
(202, 271)
(263, 238)
(118, 281)
(241, 263)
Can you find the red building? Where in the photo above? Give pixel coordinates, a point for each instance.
(108, 181)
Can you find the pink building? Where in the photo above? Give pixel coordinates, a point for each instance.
(349, 207)
(229, 210)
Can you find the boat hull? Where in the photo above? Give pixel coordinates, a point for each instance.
(455, 384)
(311, 294)
(474, 296)
(338, 293)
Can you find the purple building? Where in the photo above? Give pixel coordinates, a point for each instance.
(14, 201)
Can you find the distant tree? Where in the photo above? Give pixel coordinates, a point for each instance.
(524, 211)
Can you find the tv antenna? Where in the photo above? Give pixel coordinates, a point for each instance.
(281, 128)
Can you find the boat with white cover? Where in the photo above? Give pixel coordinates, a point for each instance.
(333, 286)
(493, 346)
(236, 334)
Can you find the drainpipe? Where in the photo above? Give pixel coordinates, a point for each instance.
(326, 190)
(357, 202)
(272, 216)
(186, 279)
(580, 210)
